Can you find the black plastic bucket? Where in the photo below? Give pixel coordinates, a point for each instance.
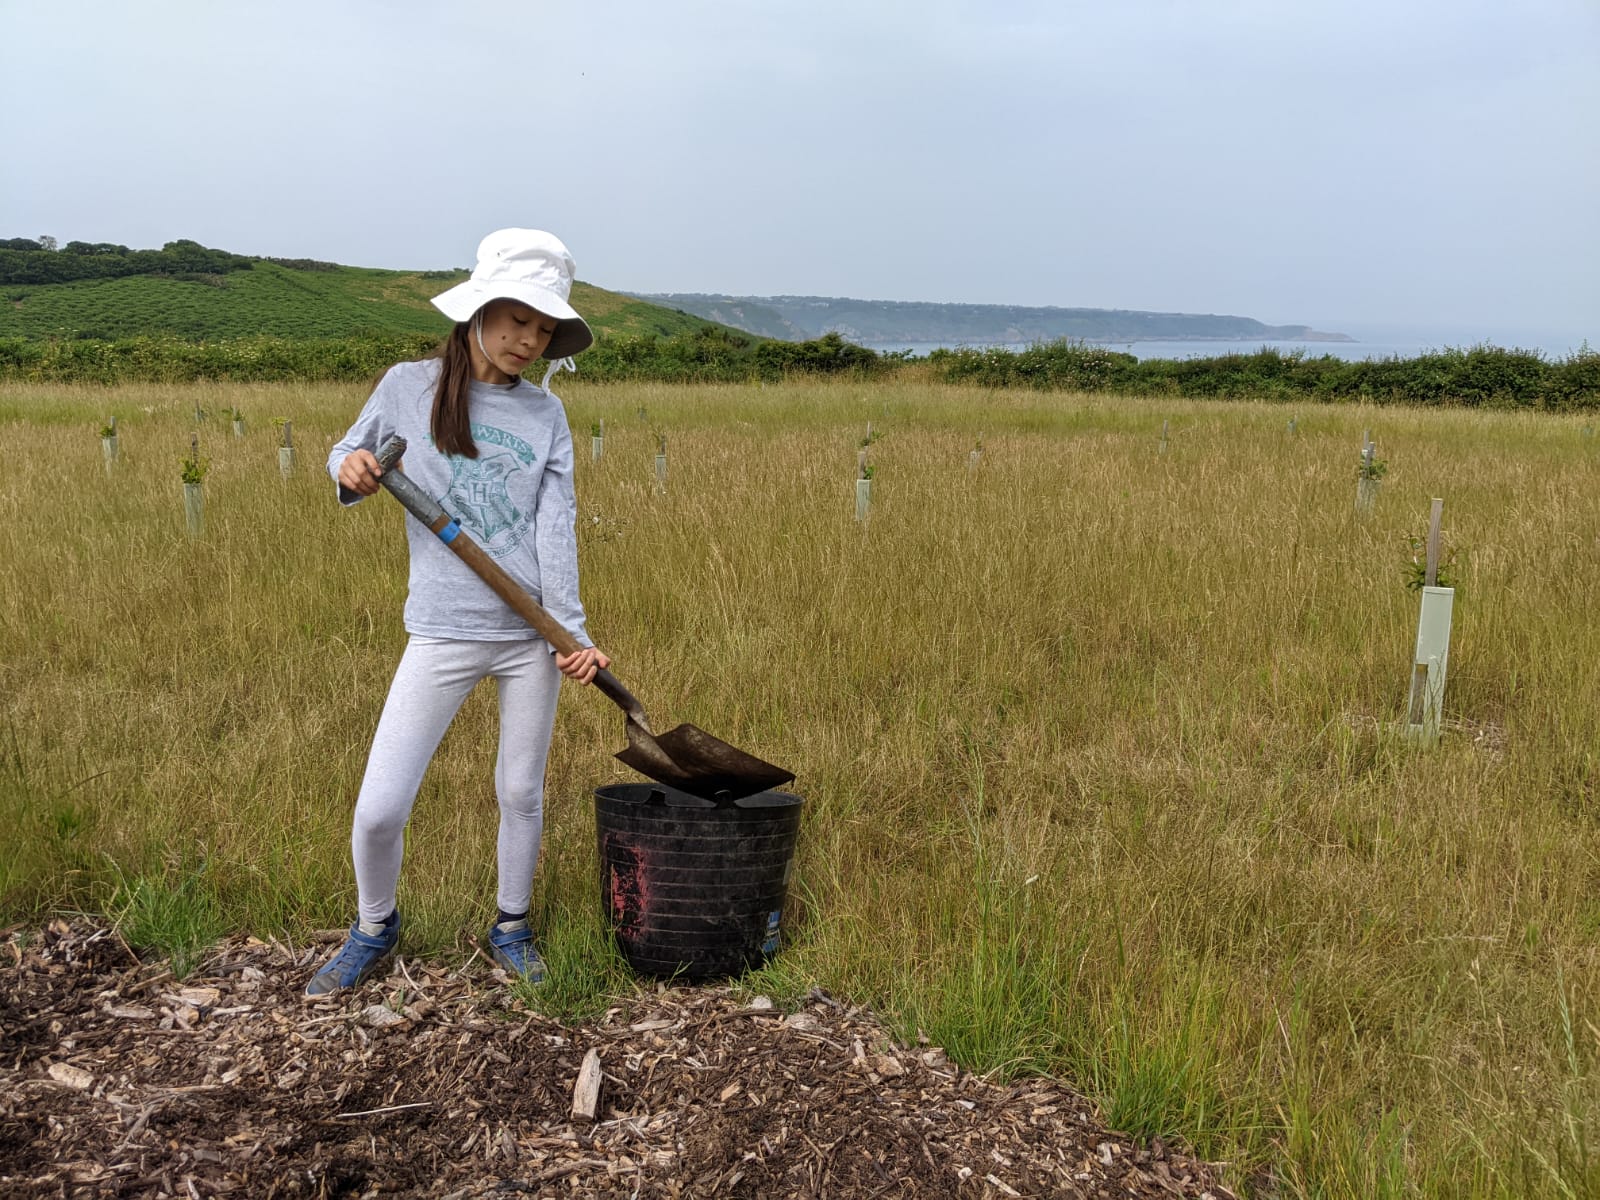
(692, 887)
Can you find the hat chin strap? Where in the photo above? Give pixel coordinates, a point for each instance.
(557, 364)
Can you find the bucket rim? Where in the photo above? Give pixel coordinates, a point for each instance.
(643, 794)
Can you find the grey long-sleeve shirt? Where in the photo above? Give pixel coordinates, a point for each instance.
(515, 499)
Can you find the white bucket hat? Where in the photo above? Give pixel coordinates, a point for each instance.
(528, 265)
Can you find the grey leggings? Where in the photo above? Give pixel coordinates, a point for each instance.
(434, 677)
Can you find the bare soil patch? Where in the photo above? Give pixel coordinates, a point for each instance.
(117, 1080)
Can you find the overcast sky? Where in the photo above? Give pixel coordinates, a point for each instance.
(1432, 165)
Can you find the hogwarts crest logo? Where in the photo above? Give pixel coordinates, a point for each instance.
(480, 492)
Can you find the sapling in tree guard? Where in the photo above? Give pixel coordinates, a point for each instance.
(864, 476)
(1426, 704)
(238, 422)
(1163, 437)
(285, 447)
(1368, 474)
(193, 472)
(661, 461)
(597, 440)
(976, 456)
(108, 442)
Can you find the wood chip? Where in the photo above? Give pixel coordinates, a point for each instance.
(465, 1092)
(195, 997)
(380, 1016)
(586, 1092)
(73, 1077)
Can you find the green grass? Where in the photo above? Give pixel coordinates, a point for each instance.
(1095, 741)
(277, 301)
(174, 913)
(584, 971)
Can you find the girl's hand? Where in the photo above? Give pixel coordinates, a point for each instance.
(359, 472)
(582, 665)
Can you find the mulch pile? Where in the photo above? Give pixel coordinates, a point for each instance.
(118, 1080)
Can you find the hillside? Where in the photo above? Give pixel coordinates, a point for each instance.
(263, 297)
(890, 322)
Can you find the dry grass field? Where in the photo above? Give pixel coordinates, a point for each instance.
(1096, 741)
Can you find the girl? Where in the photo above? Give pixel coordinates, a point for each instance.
(496, 451)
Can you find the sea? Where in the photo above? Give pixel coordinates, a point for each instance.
(1554, 349)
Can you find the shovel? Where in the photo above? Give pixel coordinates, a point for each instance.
(686, 758)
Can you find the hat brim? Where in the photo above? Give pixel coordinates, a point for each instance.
(572, 333)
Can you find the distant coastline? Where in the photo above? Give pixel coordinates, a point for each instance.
(1554, 349)
(884, 322)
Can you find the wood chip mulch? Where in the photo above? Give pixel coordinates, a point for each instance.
(118, 1080)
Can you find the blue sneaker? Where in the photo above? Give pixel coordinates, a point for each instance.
(514, 950)
(359, 957)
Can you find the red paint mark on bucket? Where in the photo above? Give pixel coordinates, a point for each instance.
(629, 882)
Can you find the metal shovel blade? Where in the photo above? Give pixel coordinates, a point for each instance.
(691, 760)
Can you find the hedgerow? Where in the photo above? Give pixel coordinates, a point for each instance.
(709, 355)
(1480, 376)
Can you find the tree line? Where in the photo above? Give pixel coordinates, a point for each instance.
(37, 260)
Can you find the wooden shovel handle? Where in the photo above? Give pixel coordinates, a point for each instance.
(427, 510)
(491, 572)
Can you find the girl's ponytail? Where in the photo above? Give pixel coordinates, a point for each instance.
(451, 425)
